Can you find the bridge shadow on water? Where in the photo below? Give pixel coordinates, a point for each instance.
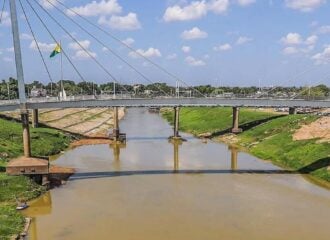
(319, 164)
(94, 175)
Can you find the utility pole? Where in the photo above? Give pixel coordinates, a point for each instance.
(20, 79)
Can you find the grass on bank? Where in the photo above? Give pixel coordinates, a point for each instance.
(197, 120)
(22, 188)
(273, 141)
(270, 141)
(44, 142)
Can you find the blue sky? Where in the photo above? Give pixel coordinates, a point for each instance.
(218, 42)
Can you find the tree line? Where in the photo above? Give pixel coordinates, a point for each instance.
(9, 89)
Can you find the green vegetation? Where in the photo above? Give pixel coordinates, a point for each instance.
(270, 141)
(45, 142)
(199, 120)
(12, 189)
(273, 141)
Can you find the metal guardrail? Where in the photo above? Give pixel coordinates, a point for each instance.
(128, 101)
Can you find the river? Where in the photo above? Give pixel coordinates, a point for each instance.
(154, 189)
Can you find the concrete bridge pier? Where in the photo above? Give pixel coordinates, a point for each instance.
(236, 128)
(176, 134)
(116, 136)
(116, 131)
(26, 132)
(35, 118)
(292, 111)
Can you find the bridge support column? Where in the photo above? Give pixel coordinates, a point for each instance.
(116, 131)
(116, 136)
(26, 132)
(176, 123)
(292, 111)
(236, 128)
(35, 118)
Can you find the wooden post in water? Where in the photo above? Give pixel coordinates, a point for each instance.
(236, 128)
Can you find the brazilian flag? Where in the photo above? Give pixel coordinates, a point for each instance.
(56, 51)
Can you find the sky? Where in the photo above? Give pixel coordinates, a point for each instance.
(217, 42)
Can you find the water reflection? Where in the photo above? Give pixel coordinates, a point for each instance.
(234, 155)
(116, 146)
(41, 206)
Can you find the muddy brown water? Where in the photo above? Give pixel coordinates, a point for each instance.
(155, 189)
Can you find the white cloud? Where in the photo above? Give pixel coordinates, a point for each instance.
(129, 41)
(304, 5)
(218, 6)
(290, 50)
(84, 45)
(194, 10)
(25, 36)
(194, 33)
(186, 49)
(171, 56)
(245, 2)
(322, 57)
(311, 40)
(97, 8)
(48, 3)
(44, 47)
(323, 29)
(223, 47)
(151, 52)
(194, 62)
(241, 40)
(292, 39)
(83, 55)
(128, 22)
(82, 51)
(5, 19)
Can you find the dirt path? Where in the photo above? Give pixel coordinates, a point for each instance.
(318, 129)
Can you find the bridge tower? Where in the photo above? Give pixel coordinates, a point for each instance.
(20, 79)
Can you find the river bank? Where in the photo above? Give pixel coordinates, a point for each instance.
(45, 142)
(272, 140)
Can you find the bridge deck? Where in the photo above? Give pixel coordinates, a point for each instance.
(168, 102)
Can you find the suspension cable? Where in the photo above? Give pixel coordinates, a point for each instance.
(54, 39)
(106, 47)
(37, 44)
(2, 10)
(131, 48)
(80, 45)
